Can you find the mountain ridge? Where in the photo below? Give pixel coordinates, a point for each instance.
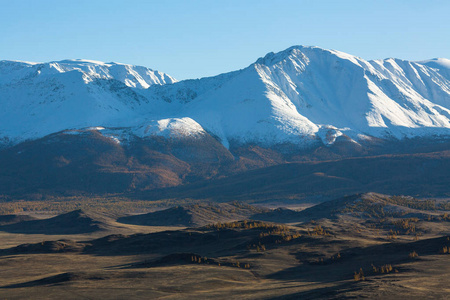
(301, 95)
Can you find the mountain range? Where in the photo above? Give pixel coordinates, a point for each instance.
(81, 125)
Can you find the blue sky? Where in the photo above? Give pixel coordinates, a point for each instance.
(191, 39)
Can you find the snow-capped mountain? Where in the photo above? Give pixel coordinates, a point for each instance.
(307, 92)
(38, 99)
(301, 95)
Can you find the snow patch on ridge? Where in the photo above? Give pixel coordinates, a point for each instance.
(171, 127)
(328, 134)
(436, 63)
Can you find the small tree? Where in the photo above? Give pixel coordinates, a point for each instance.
(359, 276)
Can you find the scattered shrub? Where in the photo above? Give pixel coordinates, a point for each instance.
(413, 254)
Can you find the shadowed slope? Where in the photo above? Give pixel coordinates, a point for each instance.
(74, 222)
(410, 174)
(11, 219)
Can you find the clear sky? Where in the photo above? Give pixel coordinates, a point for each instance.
(197, 38)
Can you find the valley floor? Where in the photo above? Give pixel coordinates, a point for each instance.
(404, 254)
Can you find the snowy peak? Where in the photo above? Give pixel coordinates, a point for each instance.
(437, 63)
(304, 54)
(131, 76)
(441, 65)
(272, 58)
(378, 98)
